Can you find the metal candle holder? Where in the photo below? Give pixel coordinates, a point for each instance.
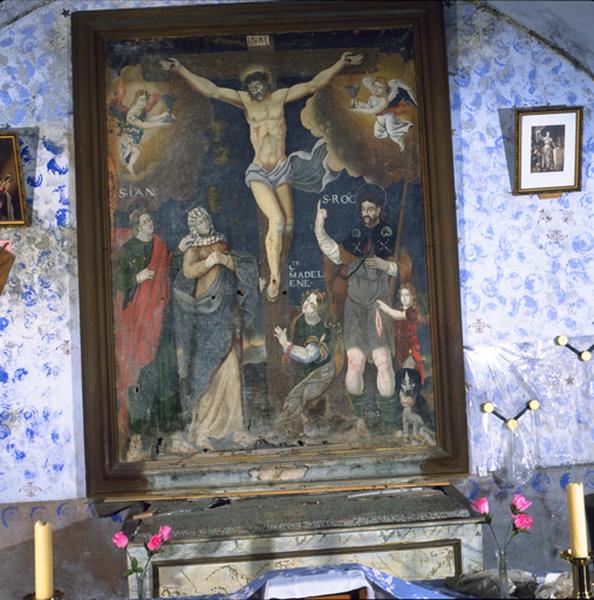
(583, 355)
(58, 595)
(511, 424)
(580, 574)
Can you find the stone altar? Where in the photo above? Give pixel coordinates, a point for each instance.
(220, 545)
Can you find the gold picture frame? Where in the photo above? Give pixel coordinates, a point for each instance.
(13, 208)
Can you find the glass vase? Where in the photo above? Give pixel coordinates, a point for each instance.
(502, 580)
(140, 586)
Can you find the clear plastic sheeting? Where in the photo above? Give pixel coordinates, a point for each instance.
(560, 432)
(514, 463)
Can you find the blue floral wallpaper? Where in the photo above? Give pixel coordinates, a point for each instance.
(526, 264)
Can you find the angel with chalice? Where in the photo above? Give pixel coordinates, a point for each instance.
(133, 120)
(386, 101)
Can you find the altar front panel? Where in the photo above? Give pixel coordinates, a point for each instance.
(411, 552)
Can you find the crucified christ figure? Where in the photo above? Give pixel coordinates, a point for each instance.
(269, 175)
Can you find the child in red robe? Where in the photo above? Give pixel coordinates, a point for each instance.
(406, 342)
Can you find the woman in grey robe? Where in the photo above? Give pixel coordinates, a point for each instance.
(214, 302)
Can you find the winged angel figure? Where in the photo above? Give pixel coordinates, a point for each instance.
(385, 102)
(133, 120)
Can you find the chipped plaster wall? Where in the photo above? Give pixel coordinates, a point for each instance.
(40, 399)
(526, 264)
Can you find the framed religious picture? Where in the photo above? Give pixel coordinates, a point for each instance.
(267, 236)
(548, 149)
(12, 190)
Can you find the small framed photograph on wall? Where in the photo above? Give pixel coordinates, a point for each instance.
(12, 191)
(548, 149)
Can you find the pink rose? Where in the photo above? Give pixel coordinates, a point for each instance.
(165, 532)
(523, 522)
(520, 503)
(154, 543)
(481, 506)
(120, 539)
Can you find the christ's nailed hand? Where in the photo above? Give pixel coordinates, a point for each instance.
(170, 64)
(348, 58)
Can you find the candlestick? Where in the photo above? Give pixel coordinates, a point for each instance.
(576, 509)
(44, 574)
(57, 595)
(580, 574)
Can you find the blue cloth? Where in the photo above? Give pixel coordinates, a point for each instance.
(205, 327)
(393, 587)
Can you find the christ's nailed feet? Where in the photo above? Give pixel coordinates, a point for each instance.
(273, 290)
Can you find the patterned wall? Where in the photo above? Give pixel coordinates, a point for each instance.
(40, 398)
(526, 264)
(41, 423)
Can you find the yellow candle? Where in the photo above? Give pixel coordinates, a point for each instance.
(44, 574)
(578, 537)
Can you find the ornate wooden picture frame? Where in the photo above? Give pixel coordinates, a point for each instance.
(548, 150)
(13, 208)
(268, 249)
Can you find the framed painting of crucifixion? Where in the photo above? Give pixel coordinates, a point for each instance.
(268, 251)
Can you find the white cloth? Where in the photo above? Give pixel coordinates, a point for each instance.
(303, 585)
(389, 125)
